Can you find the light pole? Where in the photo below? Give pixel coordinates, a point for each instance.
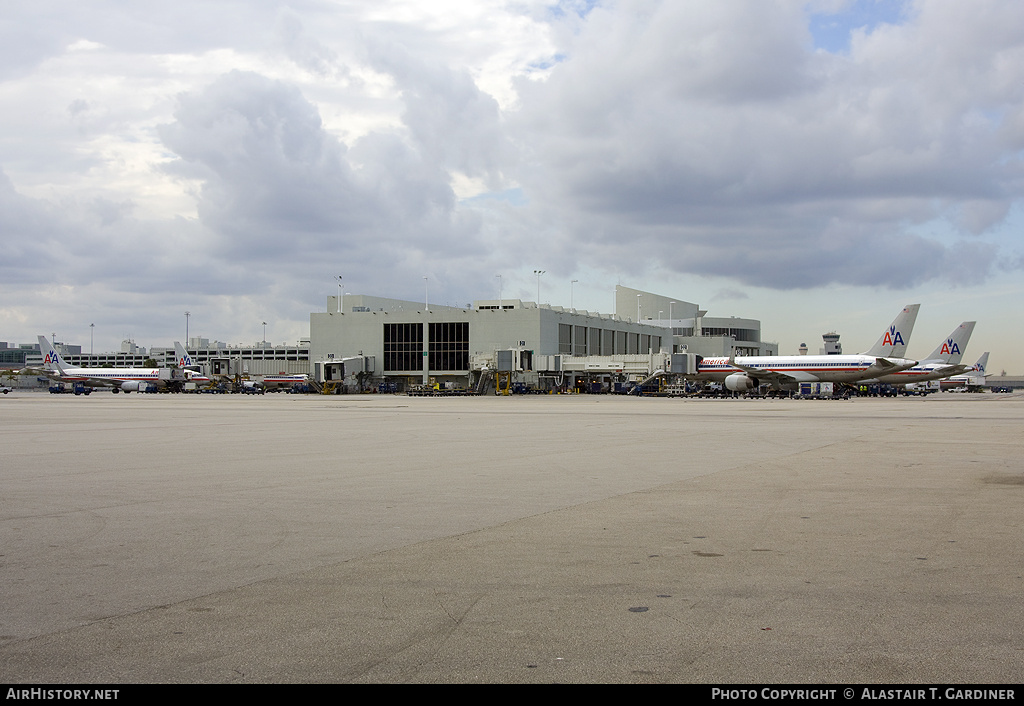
(571, 307)
(638, 307)
(670, 313)
(341, 293)
(426, 294)
(187, 314)
(92, 327)
(538, 273)
(499, 291)
(264, 335)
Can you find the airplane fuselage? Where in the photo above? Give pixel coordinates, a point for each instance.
(800, 368)
(105, 377)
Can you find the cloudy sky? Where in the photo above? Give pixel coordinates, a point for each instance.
(813, 164)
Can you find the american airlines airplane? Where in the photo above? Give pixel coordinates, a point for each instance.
(975, 377)
(943, 362)
(119, 379)
(741, 373)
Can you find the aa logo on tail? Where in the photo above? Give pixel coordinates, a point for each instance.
(950, 348)
(892, 337)
(50, 357)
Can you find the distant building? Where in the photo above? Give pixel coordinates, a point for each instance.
(13, 357)
(128, 346)
(218, 360)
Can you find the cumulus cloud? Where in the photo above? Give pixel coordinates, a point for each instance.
(306, 51)
(712, 136)
(281, 194)
(268, 168)
(454, 124)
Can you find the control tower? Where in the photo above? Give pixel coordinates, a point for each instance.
(832, 344)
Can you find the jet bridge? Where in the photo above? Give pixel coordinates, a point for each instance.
(349, 374)
(595, 374)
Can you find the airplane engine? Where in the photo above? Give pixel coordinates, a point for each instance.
(741, 382)
(133, 386)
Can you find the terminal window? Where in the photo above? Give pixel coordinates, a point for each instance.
(449, 346)
(403, 347)
(579, 340)
(565, 339)
(620, 343)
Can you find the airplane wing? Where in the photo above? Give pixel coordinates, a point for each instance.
(773, 376)
(106, 382)
(42, 372)
(887, 365)
(884, 366)
(950, 370)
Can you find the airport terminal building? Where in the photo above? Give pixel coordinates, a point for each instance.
(408, 344)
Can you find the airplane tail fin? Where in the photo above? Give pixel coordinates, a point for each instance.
(893, 342)
(981, 365)
(193, 371)
(51, 358)
(183, 359)
(951, 350)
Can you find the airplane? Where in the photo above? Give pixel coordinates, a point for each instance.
(943, 362)
(974, 378)
(742, 373)
(119, 379)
